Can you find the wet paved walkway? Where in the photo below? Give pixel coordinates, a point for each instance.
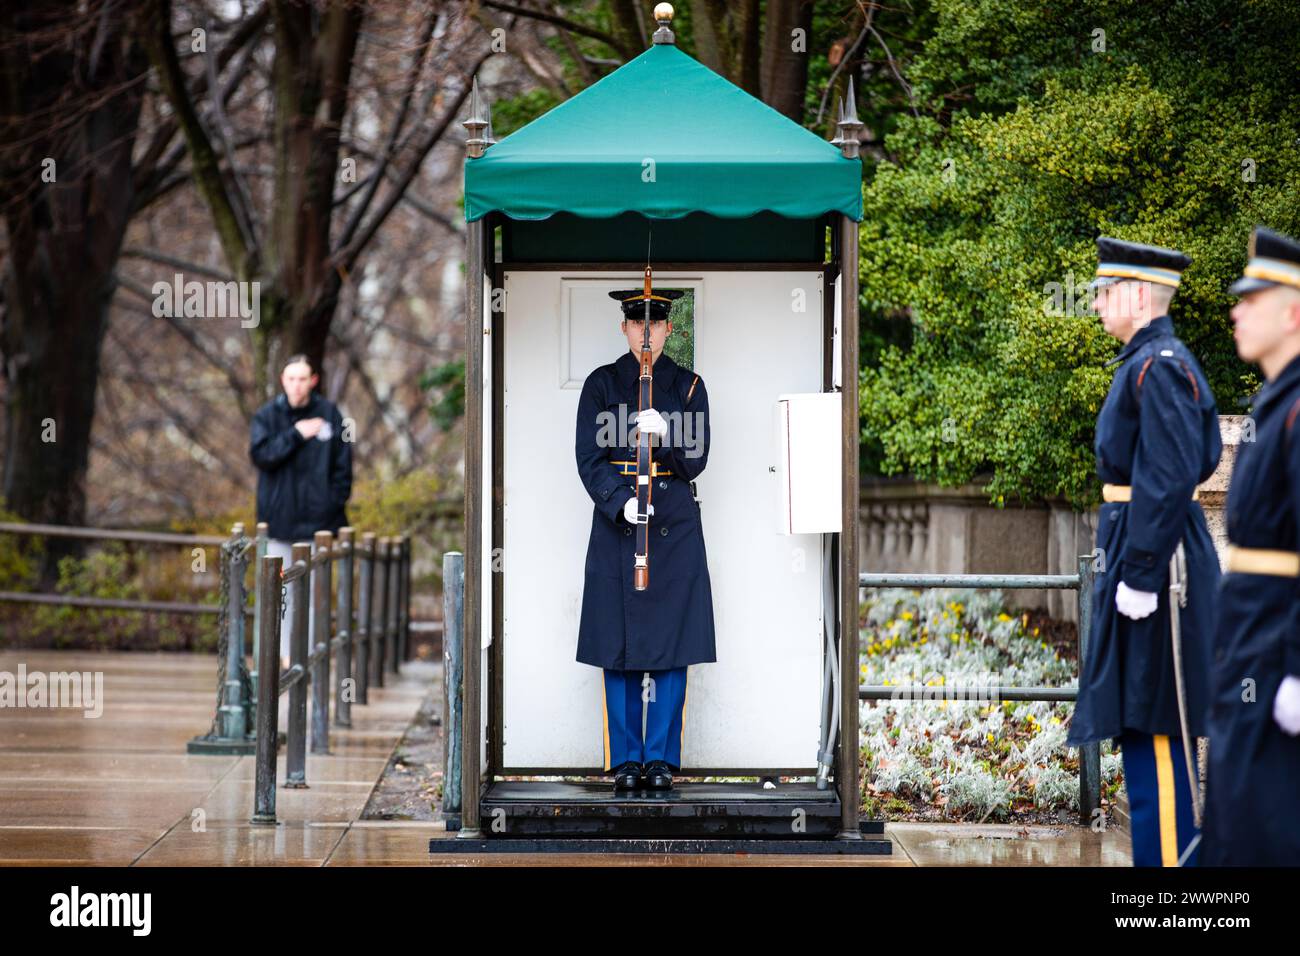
(119, 789)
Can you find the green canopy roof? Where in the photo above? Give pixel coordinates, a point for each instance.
(715, 149)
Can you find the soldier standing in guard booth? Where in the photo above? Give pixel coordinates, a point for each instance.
(1252, 813)
(668, 626)
(1157, 438)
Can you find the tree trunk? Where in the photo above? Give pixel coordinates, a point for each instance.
(785, 69)
(76, 104)
(312, 72)
(727, 40)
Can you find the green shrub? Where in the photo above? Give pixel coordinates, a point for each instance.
(1181, 132)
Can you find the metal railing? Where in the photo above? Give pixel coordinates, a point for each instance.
(109, 534)
(366, 644)
(367, 634)
(1089, 754)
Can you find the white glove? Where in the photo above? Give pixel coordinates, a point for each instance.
(629, 510)
(649, 420)
(1134, 604)
(326, 432)
(1286, 705)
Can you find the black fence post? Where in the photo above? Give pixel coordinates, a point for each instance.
(268, 688)
(319, 649)
(453, 625)
(1089, 754)
(365, 586)
(404, 608)
(296, 746)
(391, 654)
(345, 683)
(379, 617)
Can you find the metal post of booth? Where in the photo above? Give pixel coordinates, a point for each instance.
(847, 771)
(471, 719)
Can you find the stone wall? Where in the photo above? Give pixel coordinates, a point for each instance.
(907, 526)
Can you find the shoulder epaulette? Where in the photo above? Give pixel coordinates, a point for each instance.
(1196, 389)
(1290, 418)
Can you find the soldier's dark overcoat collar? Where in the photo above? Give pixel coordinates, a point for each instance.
(1285, 381)
(629, 369)
(1163, 325)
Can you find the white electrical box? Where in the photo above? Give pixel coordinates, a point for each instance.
(809, 463)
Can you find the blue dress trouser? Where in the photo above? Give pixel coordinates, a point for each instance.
(664, 699)
(1162, 823)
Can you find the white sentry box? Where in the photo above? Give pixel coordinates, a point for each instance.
(759, 704)
(809, 463)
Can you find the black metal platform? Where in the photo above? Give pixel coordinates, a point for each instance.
(867, 846)
(588, 816)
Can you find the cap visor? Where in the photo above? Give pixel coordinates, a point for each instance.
(1247, 284)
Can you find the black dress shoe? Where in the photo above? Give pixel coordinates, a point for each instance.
(627, 775)
(658, 775)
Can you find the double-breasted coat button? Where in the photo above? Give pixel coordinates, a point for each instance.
(663, 531)
(627, 532)
(663, 484)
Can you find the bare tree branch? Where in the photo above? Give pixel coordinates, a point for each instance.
(386, 154)
(573, 27)
(155, 26)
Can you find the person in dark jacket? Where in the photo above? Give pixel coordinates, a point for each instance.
(304, 467)
(668, 626)
(1157, 439)
(1252, 790)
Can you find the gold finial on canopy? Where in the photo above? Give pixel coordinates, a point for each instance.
(664, 17)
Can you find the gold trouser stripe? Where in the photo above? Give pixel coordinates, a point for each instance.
(1125, 493)
(604, 713)
(1167, 802)
(1263, 561)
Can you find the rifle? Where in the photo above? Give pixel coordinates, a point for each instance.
(644, 449)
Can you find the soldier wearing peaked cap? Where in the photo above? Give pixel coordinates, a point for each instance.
(1252, 813)
(1144, 682)
(669, 625)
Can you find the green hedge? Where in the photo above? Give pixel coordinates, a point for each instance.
(1183, 131)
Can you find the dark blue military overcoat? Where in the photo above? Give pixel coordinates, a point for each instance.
(1252, 812)
(670, 624)
(1158, 432)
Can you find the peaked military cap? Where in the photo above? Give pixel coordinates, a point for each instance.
(1118, 260)
(1274, 259)
(661, 302)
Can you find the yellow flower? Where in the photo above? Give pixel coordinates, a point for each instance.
(906, 615)
(1004, 617)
